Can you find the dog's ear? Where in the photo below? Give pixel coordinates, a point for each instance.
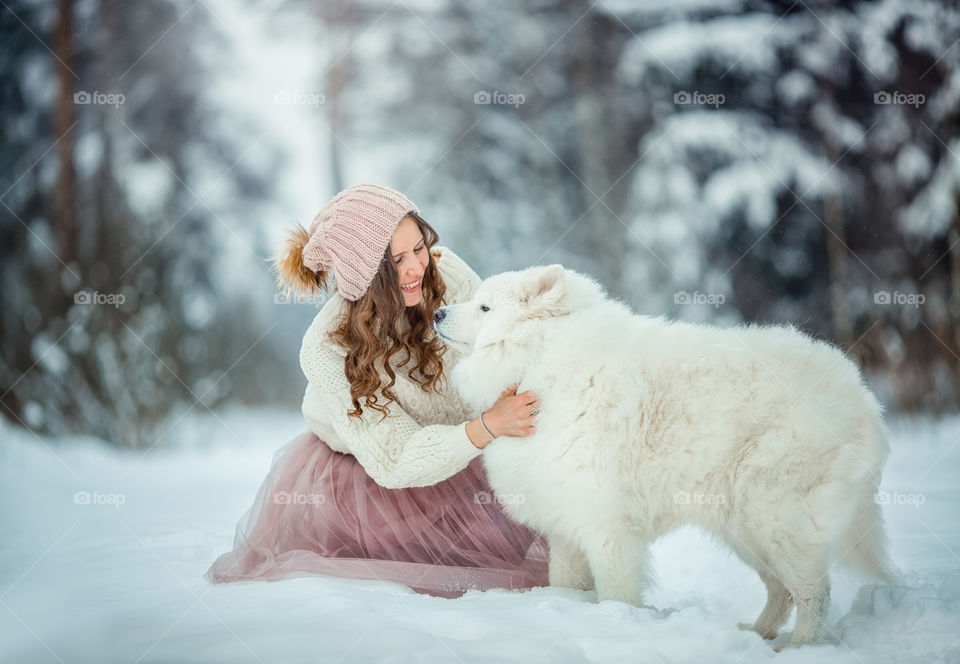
(548, 291)
(550, 279)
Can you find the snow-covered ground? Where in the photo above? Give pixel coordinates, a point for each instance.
(103, 552)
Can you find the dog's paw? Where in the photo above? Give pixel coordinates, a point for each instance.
(751, 627)
(780, 647)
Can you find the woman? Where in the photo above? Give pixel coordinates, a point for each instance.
(387, 483)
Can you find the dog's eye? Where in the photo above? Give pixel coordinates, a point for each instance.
(484, 307)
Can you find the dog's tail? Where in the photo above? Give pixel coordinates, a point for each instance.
(865, 544)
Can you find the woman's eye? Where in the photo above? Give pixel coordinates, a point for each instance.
(484, 307)
(420, 248)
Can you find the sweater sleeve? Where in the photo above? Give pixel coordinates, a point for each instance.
(396, 452)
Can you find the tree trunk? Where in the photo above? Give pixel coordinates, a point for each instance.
(64, 116)
(96, 236)
(837, 262)
(603, 233)
(338, 23)
(837, 254)
(953, 298)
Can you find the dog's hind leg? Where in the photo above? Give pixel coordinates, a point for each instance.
(779, 601)
(777, 609)
(568, 565)
(618, 561)
(812, 600)
(809, 585)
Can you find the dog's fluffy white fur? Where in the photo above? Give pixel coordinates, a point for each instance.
(761, 435)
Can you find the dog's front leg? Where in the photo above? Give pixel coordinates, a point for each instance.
(568, 564)
(618, 560)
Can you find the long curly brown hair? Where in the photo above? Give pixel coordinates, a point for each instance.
(370, 329)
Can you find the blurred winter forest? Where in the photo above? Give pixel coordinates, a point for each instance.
(715, 160)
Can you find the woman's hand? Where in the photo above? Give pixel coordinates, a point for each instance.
(511, 414)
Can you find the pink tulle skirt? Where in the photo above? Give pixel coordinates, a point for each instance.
(318, 512)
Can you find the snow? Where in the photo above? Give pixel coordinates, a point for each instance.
(660, 9)
(796, 87)
(913, 164)
(149, 185)
(701, 172)
(946, 99)
(933, 209)
(115, 574)
(46, 353)
(679, 46)
(878, 21)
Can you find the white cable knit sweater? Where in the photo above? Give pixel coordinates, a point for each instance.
(424, 440)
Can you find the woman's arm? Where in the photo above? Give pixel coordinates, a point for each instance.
(396, 452)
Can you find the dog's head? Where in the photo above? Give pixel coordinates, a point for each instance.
(506, 305)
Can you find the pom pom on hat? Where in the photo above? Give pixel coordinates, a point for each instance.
(289, 267)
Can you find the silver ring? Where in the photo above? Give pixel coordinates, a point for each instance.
(534, 411)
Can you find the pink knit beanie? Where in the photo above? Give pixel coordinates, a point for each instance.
(351, 232)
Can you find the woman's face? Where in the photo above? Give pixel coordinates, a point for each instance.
(409, 253)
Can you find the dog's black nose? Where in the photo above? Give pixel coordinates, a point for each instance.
(439, 315)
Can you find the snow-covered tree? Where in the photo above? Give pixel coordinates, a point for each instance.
(120, 321)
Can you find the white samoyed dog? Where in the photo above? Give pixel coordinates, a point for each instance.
(761, 435)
